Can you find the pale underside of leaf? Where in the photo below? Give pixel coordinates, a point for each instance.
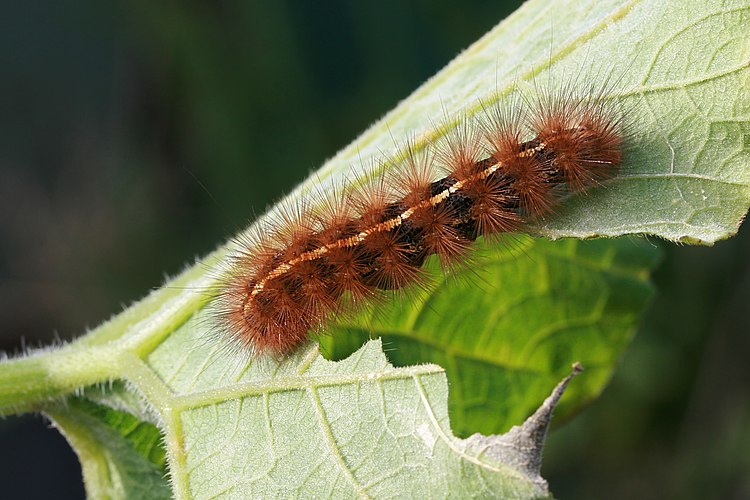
(306, 426)
(678, 71)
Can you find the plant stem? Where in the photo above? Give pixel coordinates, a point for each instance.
(30, 380)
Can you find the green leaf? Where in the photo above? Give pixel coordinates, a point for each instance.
(305, 426)
(120, 455)
(301, 426)
(678, 69)
(513, 325)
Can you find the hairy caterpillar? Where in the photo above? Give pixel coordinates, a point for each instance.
(493, 174)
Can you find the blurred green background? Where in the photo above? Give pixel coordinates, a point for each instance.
(138, 135)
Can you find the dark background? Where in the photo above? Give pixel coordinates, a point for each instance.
(135, 136)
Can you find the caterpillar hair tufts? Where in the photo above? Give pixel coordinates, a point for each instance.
(496, 172)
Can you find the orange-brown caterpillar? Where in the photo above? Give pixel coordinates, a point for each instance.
(493, 176)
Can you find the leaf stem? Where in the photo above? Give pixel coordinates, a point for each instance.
(27, 382)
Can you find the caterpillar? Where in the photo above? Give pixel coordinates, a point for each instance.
(496, 173)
